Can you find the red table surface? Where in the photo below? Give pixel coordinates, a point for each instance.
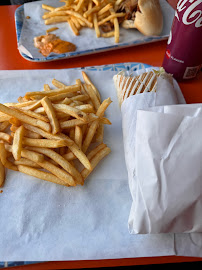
(151, 54)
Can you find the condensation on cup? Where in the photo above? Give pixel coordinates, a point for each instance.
(183, 56)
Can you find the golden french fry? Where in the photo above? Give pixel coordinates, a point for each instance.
(92, 95)
(44, 143)
(95, 150)
(80, 98)
(66, 89)
(49, 135)
(69, 156)
(90, 134)
(104, 9)
(79, 5)
(78, 114)
(74, 122)
(4, 125)
(95, 22)
(46, 87)
(27, 133)
(78, 136)
(3, 158)
(104, 120)
(35, 157)
(32, 135)
(96, 2)
(99, 133)
(95, 160)
(92, 10)
(94, 125)
(76, 22)
(61, 174)
(116, 15)
(25, 118)
(58, 83)
(26, 162)
(3, 155)
(61, 161)
(103, 107)
(48, 107)
(41, 175)
(15, 121)
(51, 29)
(47, 7)
(72, 134)
(54, 14)
(33, 106)
(78, 15)
(108, 34)
(4, 118)
(33, 114)
(2, 174)
(81, 156)
(87, 108)
(73, 27)
(66, 101)
(56, 19)
(88, 81)
(6, 137)
(19, 105)
(116, 26)
(17, 143)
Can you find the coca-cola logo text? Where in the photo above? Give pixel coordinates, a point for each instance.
(190, 15)
(168, 54)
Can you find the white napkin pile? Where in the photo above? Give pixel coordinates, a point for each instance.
(163, 153)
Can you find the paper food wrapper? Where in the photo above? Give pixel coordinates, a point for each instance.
(87, 40)
(168, 193)
(163, 154)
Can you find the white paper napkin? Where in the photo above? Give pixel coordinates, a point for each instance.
(168, 193)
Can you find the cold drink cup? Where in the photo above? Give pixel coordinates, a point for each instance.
(183, 56)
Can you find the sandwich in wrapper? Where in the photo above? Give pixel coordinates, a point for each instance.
(143, 15)
(127, 86)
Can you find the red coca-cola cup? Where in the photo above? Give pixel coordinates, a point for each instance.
(183, 56)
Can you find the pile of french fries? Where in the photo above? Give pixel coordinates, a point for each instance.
(55, 134)
(86, 13)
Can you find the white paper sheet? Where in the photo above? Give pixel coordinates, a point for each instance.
(40, 221)
(87, 39)
(186, 244)
(168, 173)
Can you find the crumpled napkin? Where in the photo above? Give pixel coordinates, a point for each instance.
(167, 194)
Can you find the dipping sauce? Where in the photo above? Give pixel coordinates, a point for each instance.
(51, 43)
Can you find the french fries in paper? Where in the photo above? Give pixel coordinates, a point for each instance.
(46, 131)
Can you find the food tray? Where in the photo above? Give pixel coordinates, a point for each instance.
(19, 18)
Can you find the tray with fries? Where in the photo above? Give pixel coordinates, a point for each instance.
(48, 17)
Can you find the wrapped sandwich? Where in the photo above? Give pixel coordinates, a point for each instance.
(127, 86)
(144, 15)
